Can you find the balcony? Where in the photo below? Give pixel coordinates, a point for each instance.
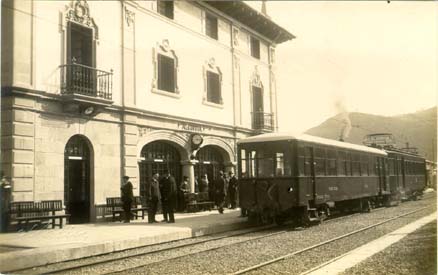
(80, 80)
(263, 122)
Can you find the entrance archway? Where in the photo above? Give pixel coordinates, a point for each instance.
(77, 163)
(156, 157)
(210, 162)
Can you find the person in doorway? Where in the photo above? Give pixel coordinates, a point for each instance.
(184, 188)
(153, 196)
(168, 196)
(232, 189)
(127, 198)
(220, 187)
(203, 185)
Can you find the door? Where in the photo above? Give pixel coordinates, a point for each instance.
(257, 107)
(77, 180)
(79, 201)
(309, 172)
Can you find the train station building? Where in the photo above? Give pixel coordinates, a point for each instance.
(95, 90)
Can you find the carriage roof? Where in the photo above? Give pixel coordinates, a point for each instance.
(312, 139)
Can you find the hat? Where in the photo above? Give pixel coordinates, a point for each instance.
(221, 173)
(230, 173)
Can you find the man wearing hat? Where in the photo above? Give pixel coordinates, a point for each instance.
(220, 187)
(232, 189)
(168, 196)
(127, 198)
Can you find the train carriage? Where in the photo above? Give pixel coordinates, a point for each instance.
(407, 174)
(302, 177)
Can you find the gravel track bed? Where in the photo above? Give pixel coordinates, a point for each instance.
(414, 254)
(128, 252)
(315, 257)
(229, 259)
(160, 256)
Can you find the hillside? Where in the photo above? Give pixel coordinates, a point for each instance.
(419, 129)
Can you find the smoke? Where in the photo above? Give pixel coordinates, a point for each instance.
(345, 119)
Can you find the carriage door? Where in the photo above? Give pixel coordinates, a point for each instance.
(382, 174)
(309, 173)
(77, 180)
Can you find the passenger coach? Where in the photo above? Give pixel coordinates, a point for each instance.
(302, 177)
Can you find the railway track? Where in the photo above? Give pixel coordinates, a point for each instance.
(315, 246)
(117, 258)
(237, 233)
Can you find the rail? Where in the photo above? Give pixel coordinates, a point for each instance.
(85, 80)
(263, 121)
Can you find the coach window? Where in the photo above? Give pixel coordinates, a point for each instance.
(265, 165)
(355, 161)
(364, 171)
(341, 163)
(331, 162)
(243, 163)
(301, 161)
(320, 161)
(282, 165)
(252, 163)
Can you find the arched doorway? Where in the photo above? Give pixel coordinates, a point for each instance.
(77, 160)
(210, 163)
(156, 157)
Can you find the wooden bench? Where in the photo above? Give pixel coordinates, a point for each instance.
(197, 202)
(29, 211)
(115, 203)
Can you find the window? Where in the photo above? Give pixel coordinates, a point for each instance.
(264, 163)
(211, 26)
(213, 88)
(255, 48)
(319, 160)
(331, 162)
(355, 164)
(165, 8)
(166, 73)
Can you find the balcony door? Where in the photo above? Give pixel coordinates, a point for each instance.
(80, 45)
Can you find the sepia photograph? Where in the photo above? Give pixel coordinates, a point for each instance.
(218, 137)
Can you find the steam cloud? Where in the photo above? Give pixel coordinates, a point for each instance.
(345, 118)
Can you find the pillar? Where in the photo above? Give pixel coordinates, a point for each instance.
(188, 169)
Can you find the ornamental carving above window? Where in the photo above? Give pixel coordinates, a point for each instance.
(79, 12)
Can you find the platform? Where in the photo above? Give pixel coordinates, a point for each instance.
(40, 247)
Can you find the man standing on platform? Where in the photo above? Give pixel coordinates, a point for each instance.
(232, 190)
(154, 196)
(168, 196)
(127, 198)
(220, 186)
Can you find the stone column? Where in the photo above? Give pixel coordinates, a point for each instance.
(188, 169)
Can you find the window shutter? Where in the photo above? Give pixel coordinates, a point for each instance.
(213, 88)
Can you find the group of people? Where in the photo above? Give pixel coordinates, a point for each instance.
(171, 196)
(162, 190)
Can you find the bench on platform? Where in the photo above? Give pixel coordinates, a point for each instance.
(197, 202)
(115, 203)
(25, 212)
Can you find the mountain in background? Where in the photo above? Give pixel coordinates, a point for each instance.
(419, 129)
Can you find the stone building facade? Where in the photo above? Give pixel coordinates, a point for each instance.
(94, 90)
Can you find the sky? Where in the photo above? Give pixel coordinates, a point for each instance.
(357, 56)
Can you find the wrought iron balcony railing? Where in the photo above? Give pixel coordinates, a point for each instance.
(84, 80)
(263, 121)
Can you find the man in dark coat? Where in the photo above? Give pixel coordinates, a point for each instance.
(154, 196)
(127, 198)
(232, 190)
(220, 187)
(5, 200)
(168, 196)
